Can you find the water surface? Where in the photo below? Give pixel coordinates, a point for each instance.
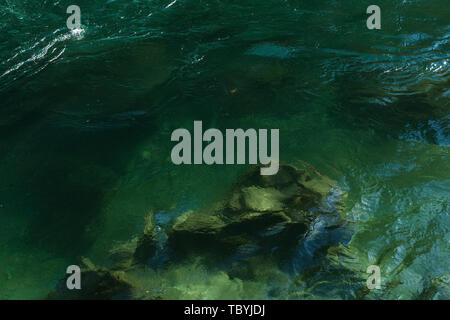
(85, 124)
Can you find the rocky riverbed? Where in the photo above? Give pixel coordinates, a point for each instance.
(253, 231)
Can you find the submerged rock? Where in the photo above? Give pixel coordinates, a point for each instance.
(248, 233)
(262, 199)
(256, 205)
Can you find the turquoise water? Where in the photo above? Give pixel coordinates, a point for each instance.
(86, 119)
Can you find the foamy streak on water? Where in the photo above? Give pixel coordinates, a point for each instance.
(50, 51)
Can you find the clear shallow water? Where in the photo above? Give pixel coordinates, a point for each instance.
(85, 124)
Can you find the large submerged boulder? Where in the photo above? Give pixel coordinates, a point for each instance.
(250, 231)
(256, 207)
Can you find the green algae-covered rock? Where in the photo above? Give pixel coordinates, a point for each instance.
(255, 227)
(262, 199)
(256, 204)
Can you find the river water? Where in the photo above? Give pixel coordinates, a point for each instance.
(86, 119)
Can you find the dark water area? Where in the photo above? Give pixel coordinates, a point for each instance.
(86, 120)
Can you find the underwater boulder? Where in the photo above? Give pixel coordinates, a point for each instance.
(291, 190)
(262, 199)
(248, 234)
(194, 230)
(216, 235)
(285, 176)
(259, 211)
